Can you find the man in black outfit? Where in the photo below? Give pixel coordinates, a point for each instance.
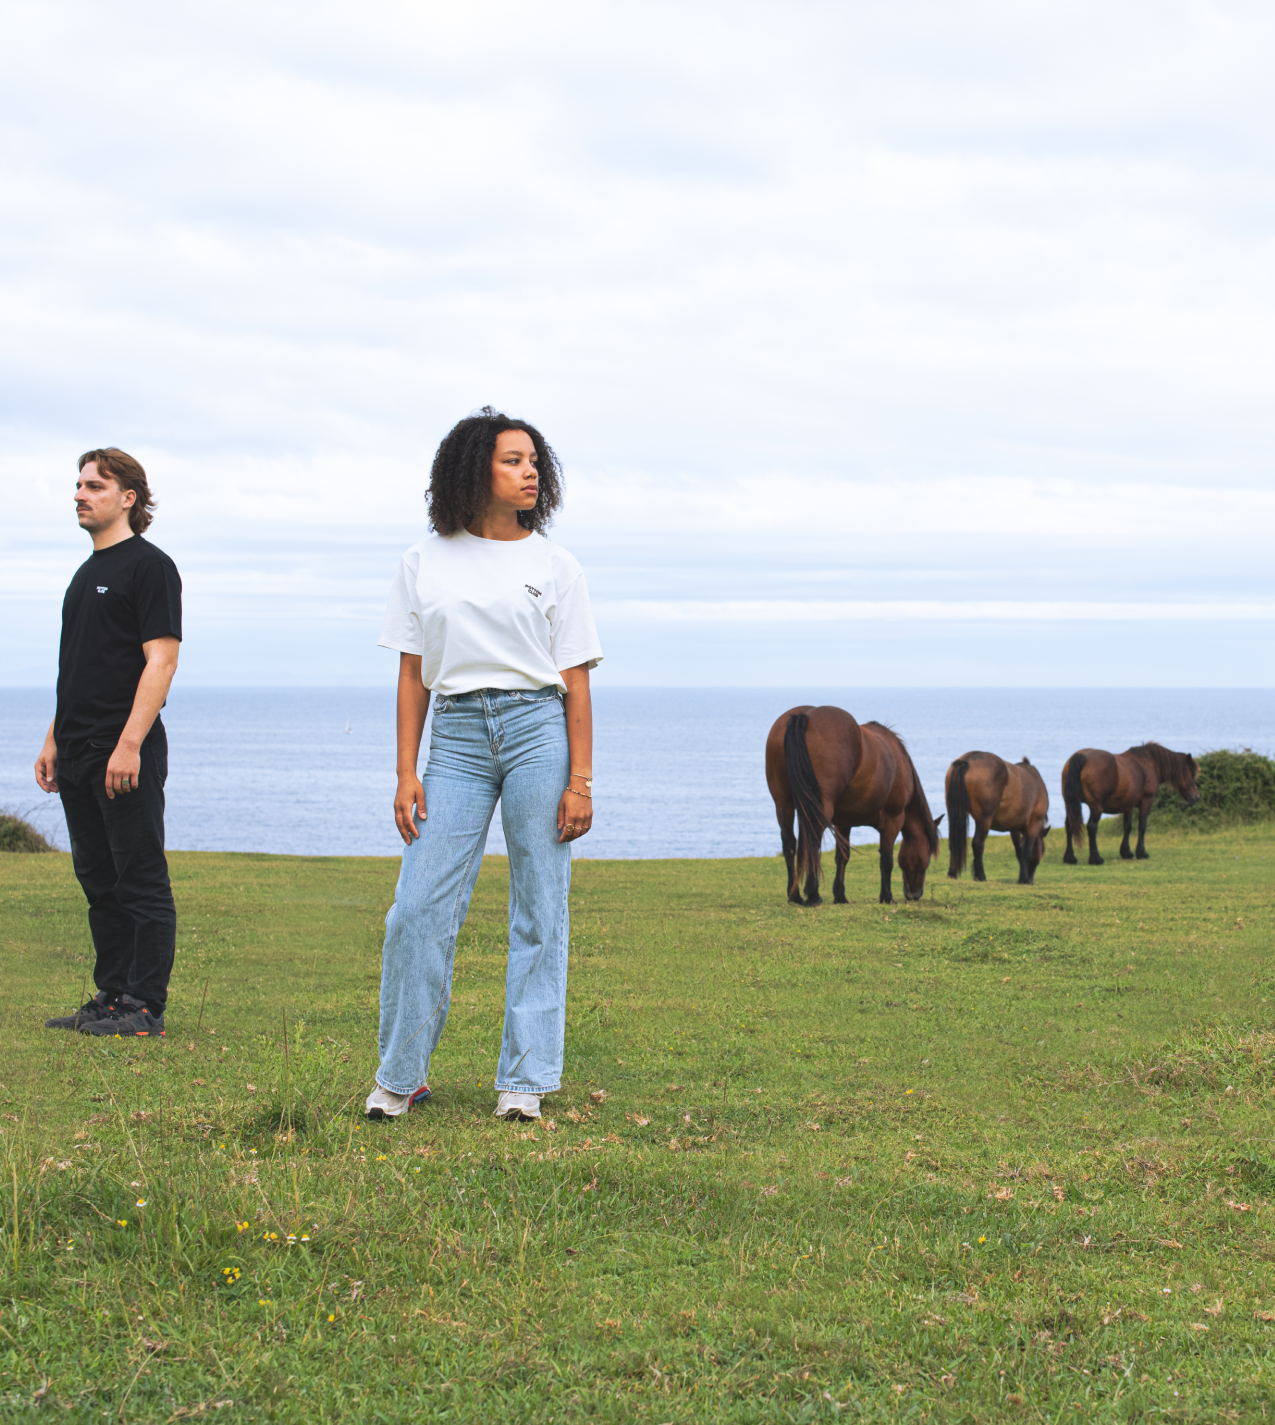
(107, 753)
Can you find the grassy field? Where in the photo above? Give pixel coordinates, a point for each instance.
(1001, 1155)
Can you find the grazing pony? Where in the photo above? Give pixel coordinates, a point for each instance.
(1000, 796)
(833, 772)
(1106, 781)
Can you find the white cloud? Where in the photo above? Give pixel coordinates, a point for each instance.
(945, 297)
(792, 611)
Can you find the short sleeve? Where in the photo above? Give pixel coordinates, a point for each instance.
(573, 635)
(157, 597)
(401, 629)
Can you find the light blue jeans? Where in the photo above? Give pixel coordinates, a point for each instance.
(485, 745)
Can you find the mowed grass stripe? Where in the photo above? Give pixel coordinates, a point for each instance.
(1001, 1154)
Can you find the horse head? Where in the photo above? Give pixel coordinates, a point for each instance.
(1188, 779)
(1034, 852)
(914, 861)
(920, 846)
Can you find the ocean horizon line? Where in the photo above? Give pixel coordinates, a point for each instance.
(600, 684)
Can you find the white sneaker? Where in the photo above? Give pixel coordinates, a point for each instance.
(518, 1105)
(384, 1103)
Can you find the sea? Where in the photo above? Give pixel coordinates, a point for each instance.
(679, 772)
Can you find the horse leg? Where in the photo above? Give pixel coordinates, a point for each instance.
(790, 860)
(1144, 812)
(1125, 853)
(1069, 856)
(981, 829)
(1095, 816)
(887, 872)
(839, 880)
(889, 830)
(1020, 851)
(789, 844)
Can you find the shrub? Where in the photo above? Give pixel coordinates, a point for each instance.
(19, 835)
(1235, 787)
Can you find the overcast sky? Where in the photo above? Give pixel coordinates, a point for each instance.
(895, 343)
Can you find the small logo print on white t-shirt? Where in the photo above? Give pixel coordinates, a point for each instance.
(532, 590)
(101, 588)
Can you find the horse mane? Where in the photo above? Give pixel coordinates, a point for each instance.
(1172, 766)
(918, 792)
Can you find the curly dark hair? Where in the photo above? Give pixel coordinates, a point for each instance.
(460, 477)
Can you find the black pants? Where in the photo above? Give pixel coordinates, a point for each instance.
(117, 849)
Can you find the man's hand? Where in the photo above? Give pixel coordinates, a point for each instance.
(125, 765)
(410, 794)
(46, 765)
(123, 770)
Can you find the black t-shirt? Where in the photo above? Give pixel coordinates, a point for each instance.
(120, 598)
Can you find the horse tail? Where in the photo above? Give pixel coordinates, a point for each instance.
(807, 796)
(958, 811)
(1073, 795)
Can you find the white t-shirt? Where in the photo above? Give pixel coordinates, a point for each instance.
(491, 613)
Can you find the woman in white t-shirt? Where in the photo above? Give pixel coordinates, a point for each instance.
(494, 620)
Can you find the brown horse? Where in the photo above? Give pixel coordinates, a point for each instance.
(1000, 796)
(833, 772)
(1107, 781)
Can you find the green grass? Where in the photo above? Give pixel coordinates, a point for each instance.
(1004, 1154)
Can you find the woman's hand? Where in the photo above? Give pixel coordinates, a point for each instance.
(575, 812)
(413, 704)
(410, 795)
(575, 815)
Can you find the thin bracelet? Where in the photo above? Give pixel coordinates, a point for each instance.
(588, 796)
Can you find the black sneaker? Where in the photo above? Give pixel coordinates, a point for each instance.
(100, 1005)
(127, 1019)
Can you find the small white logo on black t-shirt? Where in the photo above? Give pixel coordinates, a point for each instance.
(101, 588)
(532, 590)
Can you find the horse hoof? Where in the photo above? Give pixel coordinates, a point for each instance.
(839, 899)
(815, 900)
(1143, 856)
(1126, 855)
(980, 875)
(1096, 861)
(1069, 858)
